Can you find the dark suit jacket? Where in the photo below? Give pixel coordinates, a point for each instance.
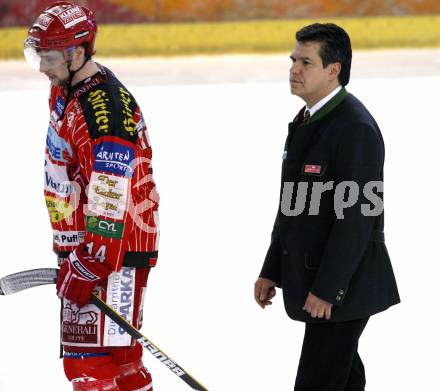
(341, 260)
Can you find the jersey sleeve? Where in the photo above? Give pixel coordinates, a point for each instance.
(121, 196)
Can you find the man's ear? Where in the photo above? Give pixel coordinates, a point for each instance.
(334, 71)
(79, 53)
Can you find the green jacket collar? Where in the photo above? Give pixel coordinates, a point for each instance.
(329, 106)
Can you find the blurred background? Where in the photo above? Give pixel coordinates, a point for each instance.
(22, 12)
(176, 27)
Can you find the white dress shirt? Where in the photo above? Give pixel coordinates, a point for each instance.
(323, 101)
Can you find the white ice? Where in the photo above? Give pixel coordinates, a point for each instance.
(217, 126)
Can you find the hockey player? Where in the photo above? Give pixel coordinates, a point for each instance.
(101, 199)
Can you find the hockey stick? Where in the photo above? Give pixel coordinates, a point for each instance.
(20, 281)
(17, 282)
(146, 343)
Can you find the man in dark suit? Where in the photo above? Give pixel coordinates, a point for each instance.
(327, 251)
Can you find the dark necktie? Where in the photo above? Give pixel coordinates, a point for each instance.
(306, 115)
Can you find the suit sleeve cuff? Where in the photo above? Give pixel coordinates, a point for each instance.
(334, 296)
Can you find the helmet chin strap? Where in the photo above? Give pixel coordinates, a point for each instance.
(72, 73)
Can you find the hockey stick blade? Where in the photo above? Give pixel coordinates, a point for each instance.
(20, 281)
(147, 344)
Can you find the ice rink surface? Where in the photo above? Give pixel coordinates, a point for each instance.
(217, 126)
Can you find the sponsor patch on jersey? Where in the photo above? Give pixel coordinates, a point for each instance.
(56, 180)
(110, 229)
(54, 116)
(59, 106)
(141, 124)
(109, 111)
(120, 296)
(102, 118)
(80, 325)
(142, 133)
(68, 238)
(128, 111)
(114, 158)
(87, 85)
(77, 107)
(70, 118)
(59, 149)
(59, 210)
(107, 195)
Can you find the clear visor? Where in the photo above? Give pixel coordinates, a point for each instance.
(42, 60)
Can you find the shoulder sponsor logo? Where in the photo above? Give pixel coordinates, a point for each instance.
(56, 181)
(68, 238)
(114, 158)
(128, 112)
(58, 147)
(59, 210)
(111, 229)
(86, 87)
(107, 195)
(98, 99)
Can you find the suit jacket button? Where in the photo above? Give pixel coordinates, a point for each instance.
(285, 252)
(338, 298)
(341, 292)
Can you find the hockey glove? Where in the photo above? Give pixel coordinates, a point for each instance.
(79, 275)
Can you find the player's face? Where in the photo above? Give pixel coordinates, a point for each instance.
(54, 66)
(308, 78)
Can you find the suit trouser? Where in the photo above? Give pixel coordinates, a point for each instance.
(329, 358)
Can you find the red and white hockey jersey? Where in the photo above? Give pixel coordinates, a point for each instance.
(98, 180)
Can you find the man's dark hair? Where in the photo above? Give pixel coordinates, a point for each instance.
(335, 46)
(86, 46)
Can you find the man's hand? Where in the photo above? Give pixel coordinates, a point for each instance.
(79, 275)
(317, 307)
(264, 291)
